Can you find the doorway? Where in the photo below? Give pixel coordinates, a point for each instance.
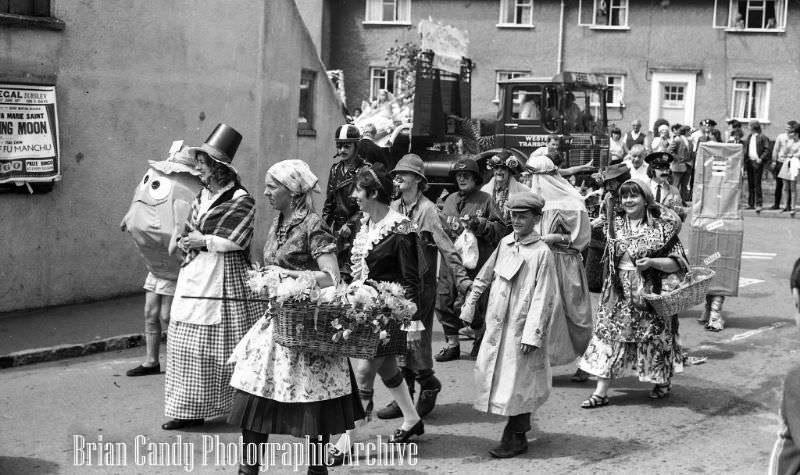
(672, 97)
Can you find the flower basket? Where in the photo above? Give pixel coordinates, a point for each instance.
(308, 326)
(689, 293)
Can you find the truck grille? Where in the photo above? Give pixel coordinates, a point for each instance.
(582, 150)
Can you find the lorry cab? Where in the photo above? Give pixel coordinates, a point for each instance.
(570, 105)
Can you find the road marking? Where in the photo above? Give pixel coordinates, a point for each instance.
(744, 282)
(750, 333)
(758, 255)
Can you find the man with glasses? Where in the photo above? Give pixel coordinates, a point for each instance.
(340, 212)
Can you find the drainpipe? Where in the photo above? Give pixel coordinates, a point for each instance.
(560, 60)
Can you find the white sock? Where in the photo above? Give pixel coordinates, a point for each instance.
(410, 416)
(344, 442)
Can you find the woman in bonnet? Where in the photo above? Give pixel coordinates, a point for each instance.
(284, 390)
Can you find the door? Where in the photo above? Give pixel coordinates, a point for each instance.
(672, 97)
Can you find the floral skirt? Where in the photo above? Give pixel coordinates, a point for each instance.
(653, 361)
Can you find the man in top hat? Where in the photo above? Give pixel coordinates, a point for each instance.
(663, 192)
(756, 156)
(474, 210)
(409, 179)
(512, 368)
(340, 211)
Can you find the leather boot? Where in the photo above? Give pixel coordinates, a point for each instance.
(516, 444)
(428, 391)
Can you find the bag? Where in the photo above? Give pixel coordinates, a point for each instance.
(467, 247)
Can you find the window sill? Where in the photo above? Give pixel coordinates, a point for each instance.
(607, 27)
(515, 25)
(386, 23)
(755, 30)
(744, 121)
(306, 132)
(25, 21)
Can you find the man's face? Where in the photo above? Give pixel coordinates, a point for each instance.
(661, 173)
(524, 222)
(552, 145)
(637, 159)
(466, 181)
(345, 150)
(636, 125)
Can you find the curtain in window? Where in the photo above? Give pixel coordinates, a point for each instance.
(404, 10)
(507, 11)
(760, 99)
(740, 99)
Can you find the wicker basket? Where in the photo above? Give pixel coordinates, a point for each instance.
(307, 326)
(682, 298)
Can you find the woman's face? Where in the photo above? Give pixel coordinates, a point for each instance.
(616, 135)
(466, 181)
(203, 165)
(502, 176)
(406, 181)
(633, 204)
(523, 222)
(359, 195)
(278, 195)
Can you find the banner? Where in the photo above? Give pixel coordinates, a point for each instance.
(449, 45)
(29, 146)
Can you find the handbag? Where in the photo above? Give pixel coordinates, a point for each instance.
(467, 247)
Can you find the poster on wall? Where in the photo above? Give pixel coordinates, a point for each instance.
(29, 145)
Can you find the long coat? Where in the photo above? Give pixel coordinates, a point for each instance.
(524, 289)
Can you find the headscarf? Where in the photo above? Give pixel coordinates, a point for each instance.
(556, 191)
(647, 193)
(295, 175)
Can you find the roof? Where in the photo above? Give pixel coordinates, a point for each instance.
(567, 77)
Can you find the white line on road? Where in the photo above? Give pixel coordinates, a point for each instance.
(759, 253)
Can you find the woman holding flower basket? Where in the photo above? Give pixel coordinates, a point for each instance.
(284, 390)
(385, 250)
(642, 249)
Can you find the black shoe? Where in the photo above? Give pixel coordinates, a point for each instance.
(336, 457)
(175, 424)
(449, 353)
(516, 446)
(401, 436)
(427, 398)
(144, 370)
(775, 207)
(750, 207)
(247, 469)
(476, 347)
(317, 470)
(391, 411)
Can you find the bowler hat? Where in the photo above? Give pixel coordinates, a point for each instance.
(221, 145)
(655, 159)
(410, 163)
(617, 171)
(525, 201)
(467, 165)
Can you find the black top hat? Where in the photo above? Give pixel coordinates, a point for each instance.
(467, 165)
(659, 158)
(221, 145)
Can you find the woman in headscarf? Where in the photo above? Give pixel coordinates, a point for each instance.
(506, 169)
(283, 390)
(642, 249)
(565, 228)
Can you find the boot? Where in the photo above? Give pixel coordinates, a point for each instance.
(516, 444)
(428, 391)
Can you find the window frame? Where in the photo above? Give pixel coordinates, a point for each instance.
(38, 15)
(751, 91)
(507, 6)
(621, 102)
(510, 74)
(781, 11)
(373, 12)
(396, 88)
(309, 77)
(624, 6)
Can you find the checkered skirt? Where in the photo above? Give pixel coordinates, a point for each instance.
(198, 378)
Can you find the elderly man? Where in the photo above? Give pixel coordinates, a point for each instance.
(635, 135)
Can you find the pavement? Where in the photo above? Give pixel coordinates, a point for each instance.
(54, 333)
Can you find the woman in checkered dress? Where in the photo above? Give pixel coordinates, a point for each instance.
(283, 390)
(203, 332)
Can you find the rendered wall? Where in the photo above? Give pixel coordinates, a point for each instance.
(131, 77)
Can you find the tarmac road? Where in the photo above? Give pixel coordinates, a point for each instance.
(721, 416)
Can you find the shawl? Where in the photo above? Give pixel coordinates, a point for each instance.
(557, 192)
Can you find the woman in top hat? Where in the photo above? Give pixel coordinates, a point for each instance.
(203, 332)
(409, 179)
(566, 230)
(284, 390)
(385, 249)
(642, 249)
(506, 169)
(475, 210)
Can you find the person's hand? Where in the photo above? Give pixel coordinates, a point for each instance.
(475, 223)
(463, 288)
(525, 348)
(644, 263)
(413, 339)
(193, 240)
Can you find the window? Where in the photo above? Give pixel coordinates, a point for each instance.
(526, 103)
(502, 76)
(750, 99)
(616, 88)
(388, 11)
(516, 13)
(611, 14)
(27, 8)
(383, 78)
(750, 15)
(29, 13)
(673, 94)
(305, 118)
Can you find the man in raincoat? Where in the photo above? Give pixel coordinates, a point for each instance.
(512, 371)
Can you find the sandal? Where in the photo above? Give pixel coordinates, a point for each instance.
(660, 391)
(336, 457)
(595, 400)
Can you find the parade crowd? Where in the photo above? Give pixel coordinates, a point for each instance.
(509, 262)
